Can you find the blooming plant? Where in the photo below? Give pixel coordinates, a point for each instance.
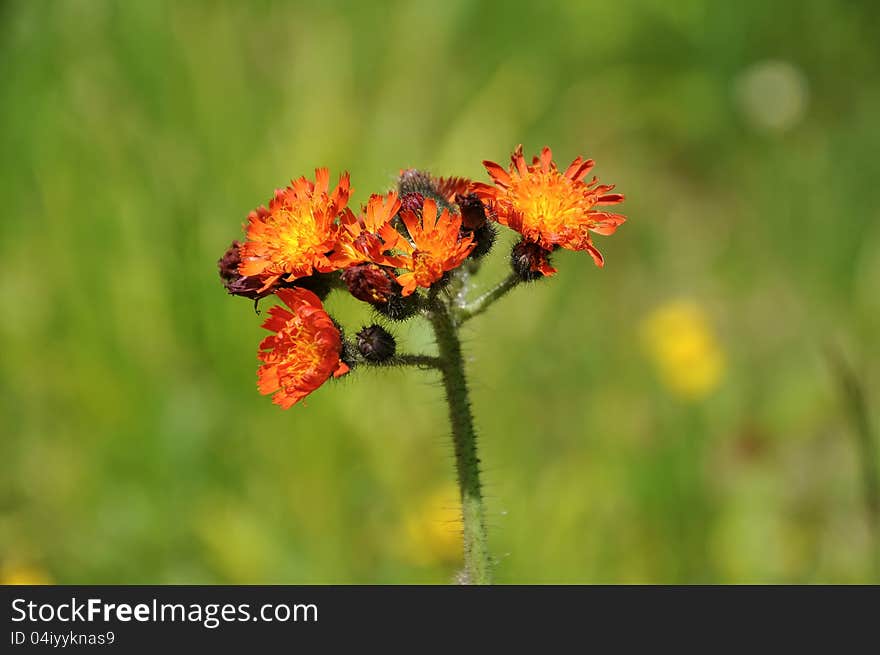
(409, 253)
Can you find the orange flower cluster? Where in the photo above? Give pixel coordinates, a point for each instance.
(307, 230)
(309, 241)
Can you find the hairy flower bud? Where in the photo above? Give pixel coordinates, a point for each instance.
(475, 223)
(416, 181)
(235, 283)
(248, 286)
(412, 202)
(399, 307)
(376, 344)
(378, 286)
(473, 212)
(228, 263)
(349, 353)
(484, 238)
(530, 261)
(370, 282)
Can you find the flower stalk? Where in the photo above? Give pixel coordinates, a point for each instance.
(419, 361)
(477, 562)
(482, 303)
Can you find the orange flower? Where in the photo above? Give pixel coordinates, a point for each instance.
(294, 237)
(370, 237)
(438, 246)
(304, 351)
(548, 207)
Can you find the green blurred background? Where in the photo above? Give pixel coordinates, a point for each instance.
(671, 418)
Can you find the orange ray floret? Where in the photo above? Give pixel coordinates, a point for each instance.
(437, 246)
(550, 208)
(450, 187)
(295, 235)
(303, 353)
(370, 237)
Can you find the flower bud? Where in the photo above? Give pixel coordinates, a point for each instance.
(484, 238)
(475, 223)
(416, 181)
(473, 212)
(349, 353)
(249, 286)
(370, 282)
(235, 283)
(530, 261)
(399, 307)
(228, 263)
(376, 344)
(412, 202)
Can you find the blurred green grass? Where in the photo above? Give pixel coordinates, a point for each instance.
(137, 135)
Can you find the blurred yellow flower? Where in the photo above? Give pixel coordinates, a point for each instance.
(684, 348)
(432, 531)
(22, 574)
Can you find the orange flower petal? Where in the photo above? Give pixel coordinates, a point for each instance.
(497, 173)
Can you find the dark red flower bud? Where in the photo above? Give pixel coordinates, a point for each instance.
(235, 283)
(370, 282)
(473, 212)
(530, 261)
(249, 286)
(412, 202)
(376, 344)
(228, 263)
(484, 237)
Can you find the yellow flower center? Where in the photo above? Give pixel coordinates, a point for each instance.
(427, 268)
(547, 201)
(296, 233)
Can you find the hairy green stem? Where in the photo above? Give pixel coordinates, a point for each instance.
(482, 303)
(477, 563)
(421, 361)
